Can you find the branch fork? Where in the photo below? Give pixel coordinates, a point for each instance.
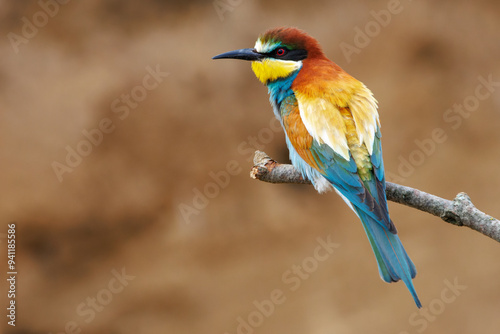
(460, 211)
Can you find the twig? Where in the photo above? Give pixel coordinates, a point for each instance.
(459, 212)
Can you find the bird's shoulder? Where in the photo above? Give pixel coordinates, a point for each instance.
(335, 106)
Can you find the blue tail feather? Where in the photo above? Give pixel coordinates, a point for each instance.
(393, 261)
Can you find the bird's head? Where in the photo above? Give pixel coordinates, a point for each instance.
(278, 53)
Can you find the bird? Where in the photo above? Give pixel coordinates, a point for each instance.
(332, 131)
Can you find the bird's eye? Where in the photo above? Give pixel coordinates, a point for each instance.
(280, 52)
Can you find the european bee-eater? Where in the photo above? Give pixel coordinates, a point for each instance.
(332, 131)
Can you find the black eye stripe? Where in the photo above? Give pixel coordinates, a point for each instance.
(295, 55)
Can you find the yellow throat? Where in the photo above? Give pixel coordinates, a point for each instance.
(270, 69)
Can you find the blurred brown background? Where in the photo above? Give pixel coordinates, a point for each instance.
(202, 267)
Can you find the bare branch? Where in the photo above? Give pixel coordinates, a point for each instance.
(459, 212)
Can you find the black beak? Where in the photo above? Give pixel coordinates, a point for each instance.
(245, 54)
